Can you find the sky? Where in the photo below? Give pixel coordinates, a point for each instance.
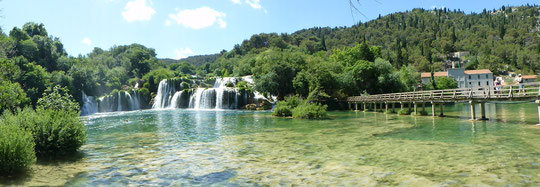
(180, 28)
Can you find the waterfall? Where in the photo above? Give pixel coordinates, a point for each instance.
(170, 94)
(135, 101)
(119, 102)
(175, 99)
(90, 105)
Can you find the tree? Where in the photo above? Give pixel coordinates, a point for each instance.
(409, 77)
(12, 96)
(58, 98)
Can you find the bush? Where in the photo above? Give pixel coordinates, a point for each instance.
(282, 110)
(404, 112)
(57, 133)
(16, 147)
(310, 111)
(58, 98)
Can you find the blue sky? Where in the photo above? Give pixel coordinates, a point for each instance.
(180, 28)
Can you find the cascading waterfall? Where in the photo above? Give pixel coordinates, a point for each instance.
(90, 105)
(171, 95)
(123, 101)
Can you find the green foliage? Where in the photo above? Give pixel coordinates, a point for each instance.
(310, 111)
(443, 83)
(282, 110)
(16, 147)
(409, 77)
(58, 133)
(404, 112)
(58, 98)
(12, 96)
(55, 132)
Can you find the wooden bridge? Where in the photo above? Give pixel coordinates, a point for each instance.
(529, 92)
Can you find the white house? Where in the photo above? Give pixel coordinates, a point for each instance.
(464, 78)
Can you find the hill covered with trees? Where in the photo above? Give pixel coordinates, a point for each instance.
(320, 64)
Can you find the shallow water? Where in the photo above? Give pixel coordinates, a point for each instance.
(240, 148)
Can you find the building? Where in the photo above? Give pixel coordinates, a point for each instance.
(529, 78)
(464, 78)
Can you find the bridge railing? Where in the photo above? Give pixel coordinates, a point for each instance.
(487, 92)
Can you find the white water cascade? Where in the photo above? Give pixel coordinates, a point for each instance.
(222, 95)
(90, 105)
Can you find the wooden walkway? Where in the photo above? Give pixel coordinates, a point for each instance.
(530, 92)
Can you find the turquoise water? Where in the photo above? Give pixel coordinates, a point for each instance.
(243, 148)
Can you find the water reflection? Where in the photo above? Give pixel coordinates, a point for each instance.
(237, 148)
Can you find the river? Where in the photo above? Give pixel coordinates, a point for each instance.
(245, 148)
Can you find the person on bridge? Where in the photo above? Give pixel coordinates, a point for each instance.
(519, 80)
(497, 86)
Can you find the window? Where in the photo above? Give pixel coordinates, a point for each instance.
(487, 83)
(469, 83)
(478, 76)
(469, 76)
(487, 76)
(478, 83)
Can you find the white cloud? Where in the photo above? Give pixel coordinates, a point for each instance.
(183, 53)
(168, 23)
(86, 41)
(256, 4)
(199, 18)
(137, 10)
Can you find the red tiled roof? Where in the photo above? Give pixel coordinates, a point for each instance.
(480, 71)
(530, 76)
(436, 74)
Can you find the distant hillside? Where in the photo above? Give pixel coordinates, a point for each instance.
(506, 39)
(196, 61)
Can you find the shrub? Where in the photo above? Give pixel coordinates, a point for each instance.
(57, 133)
(16, 147)
(12, 96)
(282, 110)
(404, 112)
(310, 111)
(293, 101)
(58, 98)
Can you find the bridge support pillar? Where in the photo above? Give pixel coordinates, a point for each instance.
(415, 108)
(375, 107)
(364, 107)
(538, 103)
(409, 106)
(385, 107)
(473, 111)
(441, 107)
(423, 108)
(483, 111)
(356, 106)
(380, 106)
(433, 109)
(401, 105)
(393, 106)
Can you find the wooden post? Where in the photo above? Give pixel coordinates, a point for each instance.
(423, 107)
(433, 113)
(538, 103)
(356, 106)
(483, 111)
(401, 104)
(386, 107)
(380, 104)
(415, 108)
(364, 107)
(375, 107)
(393, 106)
(409, 105)
(473, 111)
(441, 105)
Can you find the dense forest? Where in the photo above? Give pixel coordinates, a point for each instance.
(320, 64)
